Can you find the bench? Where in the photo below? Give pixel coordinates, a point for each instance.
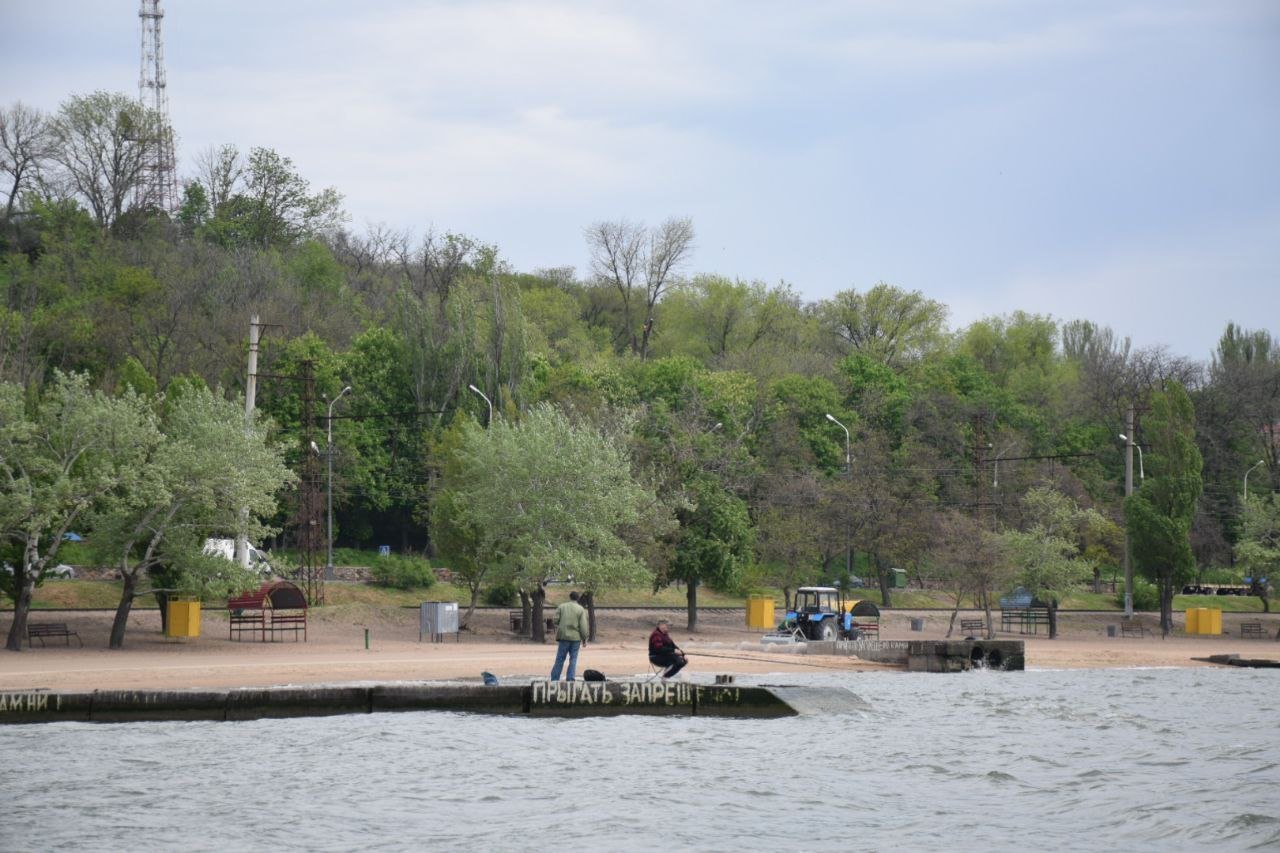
(969, 626)
(517, 621)
(1252, 631)
(274, 609)
(43, 630)
(867, 629)
(1027, 619)
(246, 622)
(1132, 629)
(282, 623)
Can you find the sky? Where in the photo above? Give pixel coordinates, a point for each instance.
(1111, 160)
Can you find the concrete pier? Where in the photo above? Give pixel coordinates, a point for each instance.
(539, 698)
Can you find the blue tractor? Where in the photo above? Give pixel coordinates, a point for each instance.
(819, 613)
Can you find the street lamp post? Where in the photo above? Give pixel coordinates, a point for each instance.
(1141, 474)
(1128, 490)
(487, 400)
(848, 470)
(1245, 493)
(328, 563)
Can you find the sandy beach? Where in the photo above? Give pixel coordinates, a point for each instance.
(335, 650)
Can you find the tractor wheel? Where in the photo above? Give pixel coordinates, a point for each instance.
(827, 630)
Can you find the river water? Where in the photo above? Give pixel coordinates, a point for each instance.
(1146, 759)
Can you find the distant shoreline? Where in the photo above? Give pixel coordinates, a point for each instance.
(335, 650)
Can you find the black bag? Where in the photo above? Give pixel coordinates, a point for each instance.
(593, 675)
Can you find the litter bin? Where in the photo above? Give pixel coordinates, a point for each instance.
(898, 578)
(183, 617)
(917, 623)
(1111, 630)
(760, 612)
(437, 618)
(1193, 619)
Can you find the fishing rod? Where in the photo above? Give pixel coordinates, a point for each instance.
(764, 660)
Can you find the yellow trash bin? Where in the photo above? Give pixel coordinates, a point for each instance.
(1211, 621)
(184, 618)
(760, 612)
(1193, 620)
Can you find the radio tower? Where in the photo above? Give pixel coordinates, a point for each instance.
(159, 189)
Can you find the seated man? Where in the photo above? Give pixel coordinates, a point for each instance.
(664, 652)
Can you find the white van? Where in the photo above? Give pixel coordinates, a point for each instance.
(226, 548)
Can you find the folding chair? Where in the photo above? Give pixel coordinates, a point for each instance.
(656, 670)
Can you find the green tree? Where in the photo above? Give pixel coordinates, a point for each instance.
(1258, 549)
(101, 143)
(201, 469)
(887, 324)
(1159, 514)
(71, 451)
(274, 206)
(714, 544)
(1048, 550)
(546, 498)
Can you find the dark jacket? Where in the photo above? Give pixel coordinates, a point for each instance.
(661, 645)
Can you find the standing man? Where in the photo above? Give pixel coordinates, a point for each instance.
(572, 630)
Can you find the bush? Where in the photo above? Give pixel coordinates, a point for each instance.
(1145, 596)
(500, 595)
(402, 572)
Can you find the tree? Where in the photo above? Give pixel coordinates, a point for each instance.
(56, 463)
(219, 172)
(26, 143)
(101, 142)
(1259, 547)
(714, 543)
(545, 498)
(274, 205)
(1159, 514)
(973, 561)
(630, 256)
(887, 324)
(1048, 550)
(201, 470)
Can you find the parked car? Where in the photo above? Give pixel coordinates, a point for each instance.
(226, 548)
(61, 571)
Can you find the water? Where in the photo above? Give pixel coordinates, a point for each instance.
(1070, 760)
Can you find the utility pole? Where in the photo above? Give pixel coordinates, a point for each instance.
(1128, 490)
(250, 395)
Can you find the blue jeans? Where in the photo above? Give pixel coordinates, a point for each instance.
(570, 648)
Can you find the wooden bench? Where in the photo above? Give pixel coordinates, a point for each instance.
(1252, 631)
(867, 629)
(969, 626)
(1132, 629)
(43, 630)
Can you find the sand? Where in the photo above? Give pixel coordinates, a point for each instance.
(335, 650)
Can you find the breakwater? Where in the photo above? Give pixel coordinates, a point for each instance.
(538, 698)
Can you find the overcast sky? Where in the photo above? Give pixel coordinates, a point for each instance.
(1116, 161)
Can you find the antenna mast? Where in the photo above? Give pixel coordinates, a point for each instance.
(159, 189)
